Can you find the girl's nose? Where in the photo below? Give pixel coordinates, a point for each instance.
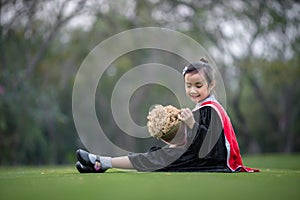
(193, 91)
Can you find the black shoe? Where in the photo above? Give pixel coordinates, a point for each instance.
(83, 158)
(86, 169)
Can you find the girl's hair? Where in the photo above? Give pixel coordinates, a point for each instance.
(203, 66)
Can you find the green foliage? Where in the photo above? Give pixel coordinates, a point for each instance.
(277, 81)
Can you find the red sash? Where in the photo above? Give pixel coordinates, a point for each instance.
(234, 158)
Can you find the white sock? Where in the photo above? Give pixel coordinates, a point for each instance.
(104, 160)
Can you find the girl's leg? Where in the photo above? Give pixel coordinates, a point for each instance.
(122, 162)
(102, 162)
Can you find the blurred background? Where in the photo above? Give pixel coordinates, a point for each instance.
(254, 43)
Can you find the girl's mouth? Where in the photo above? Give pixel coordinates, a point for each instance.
(194, 96)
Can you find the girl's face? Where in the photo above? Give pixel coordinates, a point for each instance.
(196, 87)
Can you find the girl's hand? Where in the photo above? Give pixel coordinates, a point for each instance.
(187, 117)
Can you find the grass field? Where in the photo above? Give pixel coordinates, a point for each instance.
(279, 179)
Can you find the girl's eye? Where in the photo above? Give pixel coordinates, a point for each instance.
(199, 86)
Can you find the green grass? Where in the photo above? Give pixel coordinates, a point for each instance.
(279, 179)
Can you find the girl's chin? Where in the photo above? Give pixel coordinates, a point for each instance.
(195, 100)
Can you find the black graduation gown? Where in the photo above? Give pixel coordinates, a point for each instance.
(205, 150)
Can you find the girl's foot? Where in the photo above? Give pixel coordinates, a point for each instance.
(89, 163)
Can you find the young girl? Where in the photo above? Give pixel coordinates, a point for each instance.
(204, 142)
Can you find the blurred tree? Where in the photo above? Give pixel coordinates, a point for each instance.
(271, 42)
(29, 104)
(42, 43)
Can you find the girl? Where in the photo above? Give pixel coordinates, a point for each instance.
(204, 142)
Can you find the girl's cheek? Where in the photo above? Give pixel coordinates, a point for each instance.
(187, 90)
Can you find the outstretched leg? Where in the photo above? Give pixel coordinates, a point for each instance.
(91, 163)
(122, 162)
